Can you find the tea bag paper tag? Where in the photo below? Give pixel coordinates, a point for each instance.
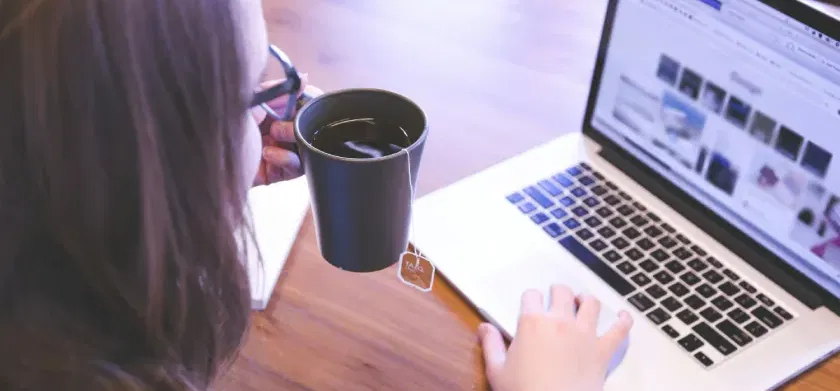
(417, 271)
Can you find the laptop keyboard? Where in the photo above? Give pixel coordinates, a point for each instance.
(694, 298)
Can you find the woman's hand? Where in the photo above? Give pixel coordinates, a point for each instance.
(554, 350)
(279, 162)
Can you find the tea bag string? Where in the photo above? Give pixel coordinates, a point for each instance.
(411, 202)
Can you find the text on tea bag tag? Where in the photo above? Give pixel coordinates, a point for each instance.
(413, 268)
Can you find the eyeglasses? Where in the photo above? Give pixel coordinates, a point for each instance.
(289, 87)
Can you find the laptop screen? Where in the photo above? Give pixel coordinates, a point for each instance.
(738, 105)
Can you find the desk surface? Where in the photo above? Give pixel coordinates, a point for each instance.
(496, 77)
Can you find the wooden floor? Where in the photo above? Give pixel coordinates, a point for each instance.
(496, 77)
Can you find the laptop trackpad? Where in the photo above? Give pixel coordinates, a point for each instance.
(502, 300)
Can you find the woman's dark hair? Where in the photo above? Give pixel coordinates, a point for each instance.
(121, 197)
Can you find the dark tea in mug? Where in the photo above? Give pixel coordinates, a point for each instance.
(361, 138)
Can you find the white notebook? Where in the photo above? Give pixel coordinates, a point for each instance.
(278, 211)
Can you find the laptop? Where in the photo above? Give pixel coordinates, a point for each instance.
(702, 195)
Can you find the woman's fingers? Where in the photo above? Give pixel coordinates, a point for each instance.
(532, 302)
(281, 164)
(562, 302)
(612, 340)
(589, 309)
(282, 131)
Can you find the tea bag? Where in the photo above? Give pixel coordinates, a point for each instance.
(413, 268)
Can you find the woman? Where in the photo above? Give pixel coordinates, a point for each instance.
(126, 151)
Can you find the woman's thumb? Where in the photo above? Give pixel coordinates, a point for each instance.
(494, 349)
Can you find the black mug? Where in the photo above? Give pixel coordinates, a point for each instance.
(361, 207)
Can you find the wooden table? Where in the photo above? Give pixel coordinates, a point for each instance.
(496, 77)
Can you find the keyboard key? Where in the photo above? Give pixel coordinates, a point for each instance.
(574, 171)
(729, 288)
(641, 302)
(653, 217)
(670, 331)
(515, 198)
(591, 202)
(699, 251)
(598, 245)
(738, 316)
(681, 253)
(527, 207)
(704, 359)
(559, 213)
(765, 300)
(722, 303)
(611, 185)
(660, 255)
(599, 190)
(714, 262)
(618, 222)
(656, 291)
(732, 276)
(784, 314)
(631, 233)
(734, 333)
(645, 244)
(706, 290)
(648, 266)
(604, 212)
(747, 287)
(550, 188)
(620, 243)
(653, 231)
(585, 180)
(566, 201)
(563, 180)
(579, 192)
(553, 230)
(571, 223)
(639, 220)
(713, 277)
(634, 254)
(612, 256)
(675, 267)
(691, 343)
(625, 210)
(606, 232)
(695, 302)
(663, 277)
(639, 206)
(597, 266)
(687, 317)
(690, 278)
(625, 196)
(598, 175)
(641, 280)
(767, 317)
(658, 316)
(756, 329)
(539, 197)
(585, 166)
(682, 239)
(669, 229)
(711, 314)
(580, 211)
(671, 304)
(667, 242)
(592, 221)
(678, 289)
(585, 234)
(626, 267)
(711, 336)
(697, 265)
(539, 218)
(745, 301)
(611, 200)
